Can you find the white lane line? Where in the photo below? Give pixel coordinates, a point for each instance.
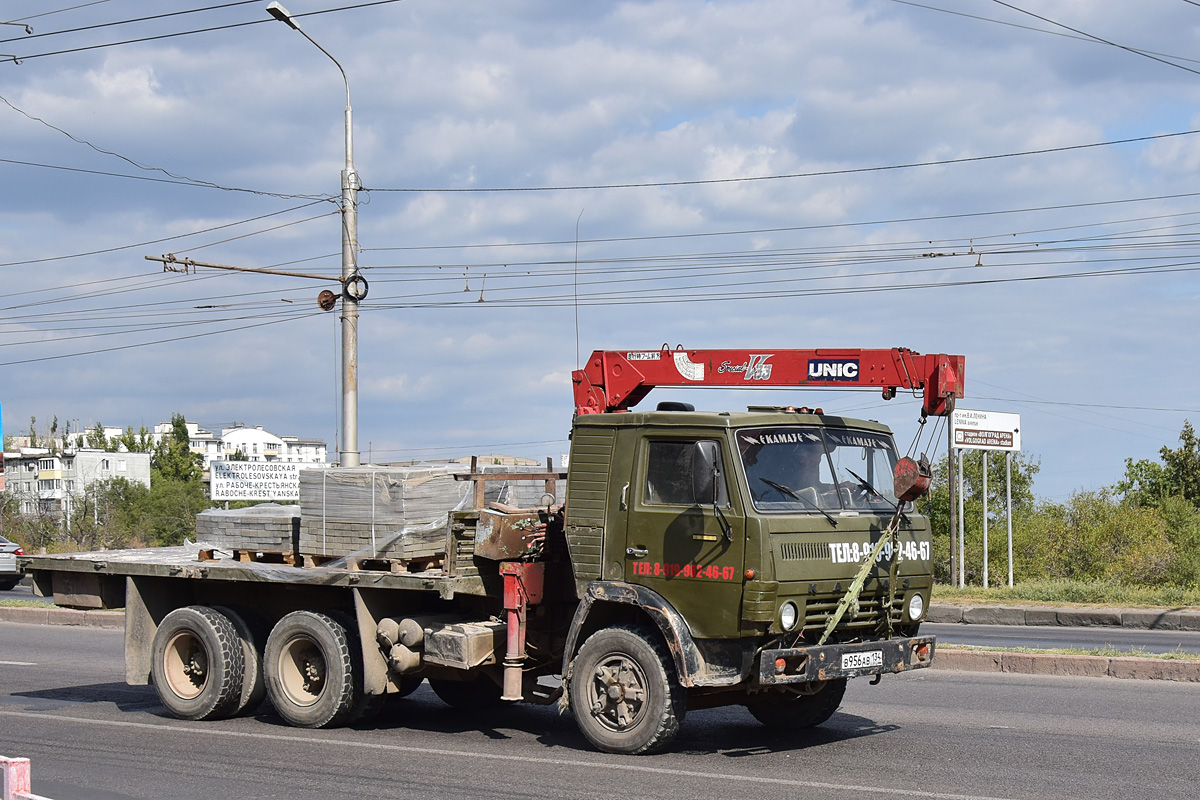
(607, 765)
(18, 663)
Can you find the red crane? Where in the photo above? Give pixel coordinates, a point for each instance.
(614, 380)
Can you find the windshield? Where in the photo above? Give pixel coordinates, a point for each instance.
(810, 469)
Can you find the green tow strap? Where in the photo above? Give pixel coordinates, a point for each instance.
(850, 599)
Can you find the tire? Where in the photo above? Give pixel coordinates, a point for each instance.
(480, 693)
(624, 692)
(253, 638)
(197, 664)
(312, 675)
(791, 710)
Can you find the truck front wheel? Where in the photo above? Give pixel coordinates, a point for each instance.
(198, 664)
(312, 678)
(624, 693)
(793, 709)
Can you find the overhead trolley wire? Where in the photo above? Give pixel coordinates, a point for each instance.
(815, 174)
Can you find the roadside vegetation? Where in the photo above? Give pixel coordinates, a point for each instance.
(1135, 543)
(1104, 652)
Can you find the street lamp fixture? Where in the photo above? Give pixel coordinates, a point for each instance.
(351, 280)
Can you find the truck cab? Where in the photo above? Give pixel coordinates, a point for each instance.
(736, 535)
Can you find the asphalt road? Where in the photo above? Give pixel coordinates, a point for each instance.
(1055, 637)
(969, 736)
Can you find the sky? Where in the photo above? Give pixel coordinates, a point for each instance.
(1016, 183)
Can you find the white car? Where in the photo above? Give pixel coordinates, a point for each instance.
(10, 573)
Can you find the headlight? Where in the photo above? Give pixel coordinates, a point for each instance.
(916, 607)
(788, 616)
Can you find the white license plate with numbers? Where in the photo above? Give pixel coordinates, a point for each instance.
(871, 658)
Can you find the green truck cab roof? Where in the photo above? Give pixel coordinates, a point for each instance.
(726, 419)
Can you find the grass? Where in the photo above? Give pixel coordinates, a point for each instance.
(1076, 593)
(1105, 652)
(23, 603)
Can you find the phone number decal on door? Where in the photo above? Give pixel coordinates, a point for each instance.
(710, 572)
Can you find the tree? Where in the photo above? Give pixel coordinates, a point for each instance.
(1149, 483)
(173, 458)
(33, 437)
(96, 438)
(937, 506)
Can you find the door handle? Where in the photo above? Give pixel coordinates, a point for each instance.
(625, 497)
(636, 552)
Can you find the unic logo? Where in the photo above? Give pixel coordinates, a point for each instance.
(756, 369)
(829, 369)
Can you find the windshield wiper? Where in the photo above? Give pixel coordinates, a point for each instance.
(779, 487)
(864, 483)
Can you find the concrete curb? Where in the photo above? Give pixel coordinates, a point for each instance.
(1129, 667)
(32, 615)
(1161, 619)
(15, 780)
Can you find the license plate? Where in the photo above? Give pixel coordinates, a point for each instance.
(871, 658)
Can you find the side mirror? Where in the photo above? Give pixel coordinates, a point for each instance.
(704, 473)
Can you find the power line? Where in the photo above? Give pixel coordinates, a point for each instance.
(154, 241)
(1142, 53)
(211, 29)
(816, 174)
(1090, 40)
(188, 182)
(61, 10)
(125, 21)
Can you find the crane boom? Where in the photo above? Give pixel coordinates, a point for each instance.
(614, 380)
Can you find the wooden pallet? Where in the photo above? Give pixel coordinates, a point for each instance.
(254, 556)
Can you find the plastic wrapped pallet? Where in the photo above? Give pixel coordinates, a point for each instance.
(267, 527)
(393, 512)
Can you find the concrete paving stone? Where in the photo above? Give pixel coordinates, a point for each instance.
(993, 615)
(1089, 617)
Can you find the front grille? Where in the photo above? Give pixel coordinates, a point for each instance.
(818, 610)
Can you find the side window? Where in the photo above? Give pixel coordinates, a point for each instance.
(670, 476)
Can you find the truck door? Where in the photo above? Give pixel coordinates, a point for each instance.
(679, 545)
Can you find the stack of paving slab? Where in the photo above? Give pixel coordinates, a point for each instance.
(394, 512)
(267, 527)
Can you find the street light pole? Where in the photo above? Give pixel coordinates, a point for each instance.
(350, 184)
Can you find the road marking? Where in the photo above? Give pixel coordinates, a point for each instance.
(18, 663)
(608, 765)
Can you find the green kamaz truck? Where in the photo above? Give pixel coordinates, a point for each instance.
(758, 558)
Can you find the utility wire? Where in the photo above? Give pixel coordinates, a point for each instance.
(1136, 52)
(61, 10)
(212, 29)
(154, 241)
(188, 182)
(1090, 40)
(815, 174)
(99, 25)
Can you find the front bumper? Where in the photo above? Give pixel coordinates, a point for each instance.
(831, 661)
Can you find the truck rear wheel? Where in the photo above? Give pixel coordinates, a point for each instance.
(791, 709)
(624, 693)
(250, 631)
(198, 664)
(312, 677)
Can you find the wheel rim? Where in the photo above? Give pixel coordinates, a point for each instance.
(185, 665)
(302, 671)
(617, 692)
